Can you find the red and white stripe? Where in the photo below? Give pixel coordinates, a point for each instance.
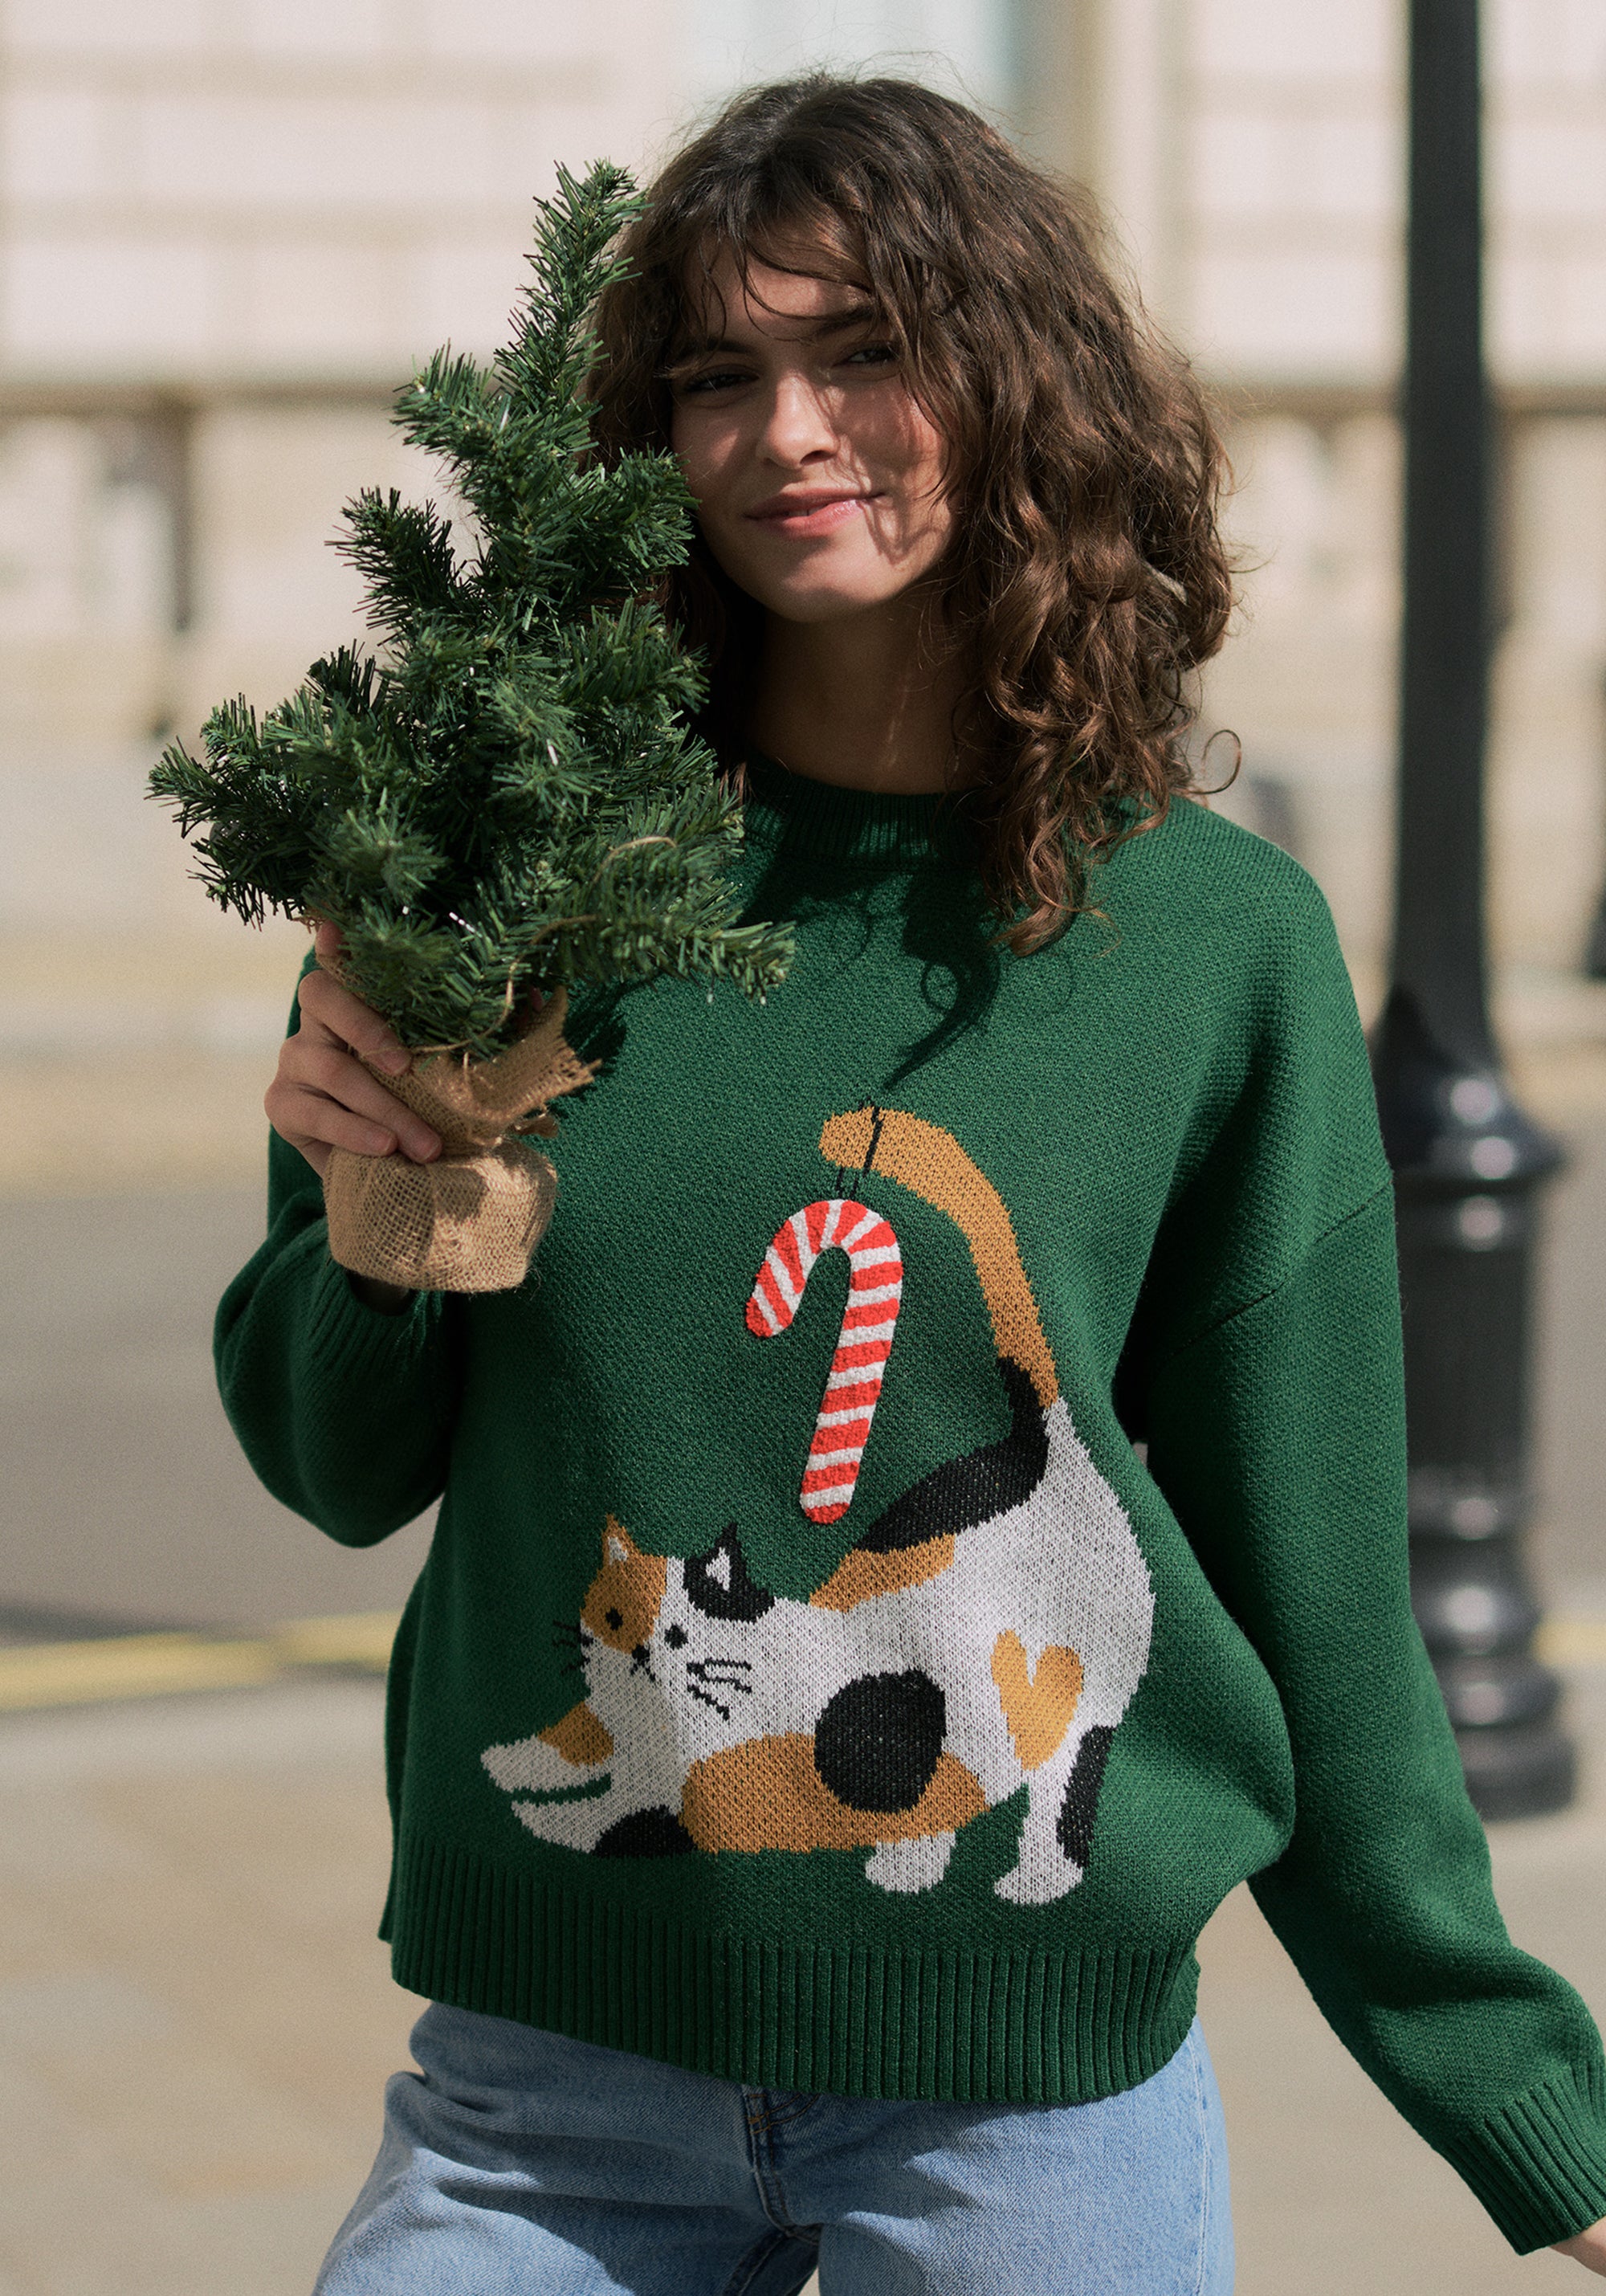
(853, 1386)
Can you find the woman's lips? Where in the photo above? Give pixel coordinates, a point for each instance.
(807, 514)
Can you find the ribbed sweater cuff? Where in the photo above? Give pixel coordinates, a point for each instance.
(341, 1331)
(1538, 2165)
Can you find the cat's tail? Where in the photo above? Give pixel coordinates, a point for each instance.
(930, 1163)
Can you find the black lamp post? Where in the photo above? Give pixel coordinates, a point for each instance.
(1468, 1164)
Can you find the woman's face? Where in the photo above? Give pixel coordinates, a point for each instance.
(818, 479)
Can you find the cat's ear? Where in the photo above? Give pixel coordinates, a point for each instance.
(617, 1546)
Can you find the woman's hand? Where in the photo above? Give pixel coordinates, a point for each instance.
(324, 1096)
(1589, 2247)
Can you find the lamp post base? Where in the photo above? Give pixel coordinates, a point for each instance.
(1467, 1169)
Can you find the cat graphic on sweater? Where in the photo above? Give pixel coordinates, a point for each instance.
(986, 1632)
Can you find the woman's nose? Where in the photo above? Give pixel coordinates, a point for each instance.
(798, 424)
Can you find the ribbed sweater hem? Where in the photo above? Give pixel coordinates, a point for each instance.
(982, 2024)
(1538, 2165)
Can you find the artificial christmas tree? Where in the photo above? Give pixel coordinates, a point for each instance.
(509, 798)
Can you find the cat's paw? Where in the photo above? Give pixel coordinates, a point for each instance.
(534, 1766)
(1039, 1882)
(575, 1823)
(907, 1866)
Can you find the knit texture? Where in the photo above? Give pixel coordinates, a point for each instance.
(810, 1683)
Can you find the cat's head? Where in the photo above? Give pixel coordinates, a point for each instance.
(666, 1616)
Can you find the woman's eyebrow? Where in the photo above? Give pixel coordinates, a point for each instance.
(831, 322)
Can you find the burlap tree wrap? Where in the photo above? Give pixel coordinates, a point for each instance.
(468, 1221)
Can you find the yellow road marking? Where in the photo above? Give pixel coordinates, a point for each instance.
(1573, 1638)
(157, 1665)
(131, 1666)
(363, 1639)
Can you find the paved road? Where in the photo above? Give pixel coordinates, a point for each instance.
(124, 1496)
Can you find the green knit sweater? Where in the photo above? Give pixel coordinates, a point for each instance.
(810, 1683)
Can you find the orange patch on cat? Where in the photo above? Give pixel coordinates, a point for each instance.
(1038, 1708)
(580, 1737)
(858, 1575)
(768, 1795)
(622, 1601)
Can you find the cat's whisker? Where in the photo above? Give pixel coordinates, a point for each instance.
(723, 1712)
(722, 1673)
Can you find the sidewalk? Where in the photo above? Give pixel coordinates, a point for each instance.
(196, 2020)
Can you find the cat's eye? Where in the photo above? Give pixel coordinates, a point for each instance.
(614, 1619)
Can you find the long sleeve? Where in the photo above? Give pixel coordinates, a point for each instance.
(345, 1413)
(1277, 1435)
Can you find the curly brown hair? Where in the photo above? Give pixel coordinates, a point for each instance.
(1087, 579)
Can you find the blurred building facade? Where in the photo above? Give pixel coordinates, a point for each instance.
(228, 227)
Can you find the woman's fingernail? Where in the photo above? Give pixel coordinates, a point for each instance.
(393, 1062)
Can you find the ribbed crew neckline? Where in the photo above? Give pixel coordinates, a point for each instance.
(849, 825)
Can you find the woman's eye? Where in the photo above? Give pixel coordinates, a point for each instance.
(703, 386)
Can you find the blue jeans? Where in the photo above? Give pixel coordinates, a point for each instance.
(518, 2163)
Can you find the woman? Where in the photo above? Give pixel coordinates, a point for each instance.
(819, 1736)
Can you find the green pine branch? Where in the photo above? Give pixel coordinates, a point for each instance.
(506, 793)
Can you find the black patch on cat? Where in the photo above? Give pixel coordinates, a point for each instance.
(877, 1742)
(645, 1833)
(675, 1635)
(970, 1489)
(1074, 1830)
(735, 1593)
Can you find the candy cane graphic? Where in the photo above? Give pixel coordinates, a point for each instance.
(853, 1386)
